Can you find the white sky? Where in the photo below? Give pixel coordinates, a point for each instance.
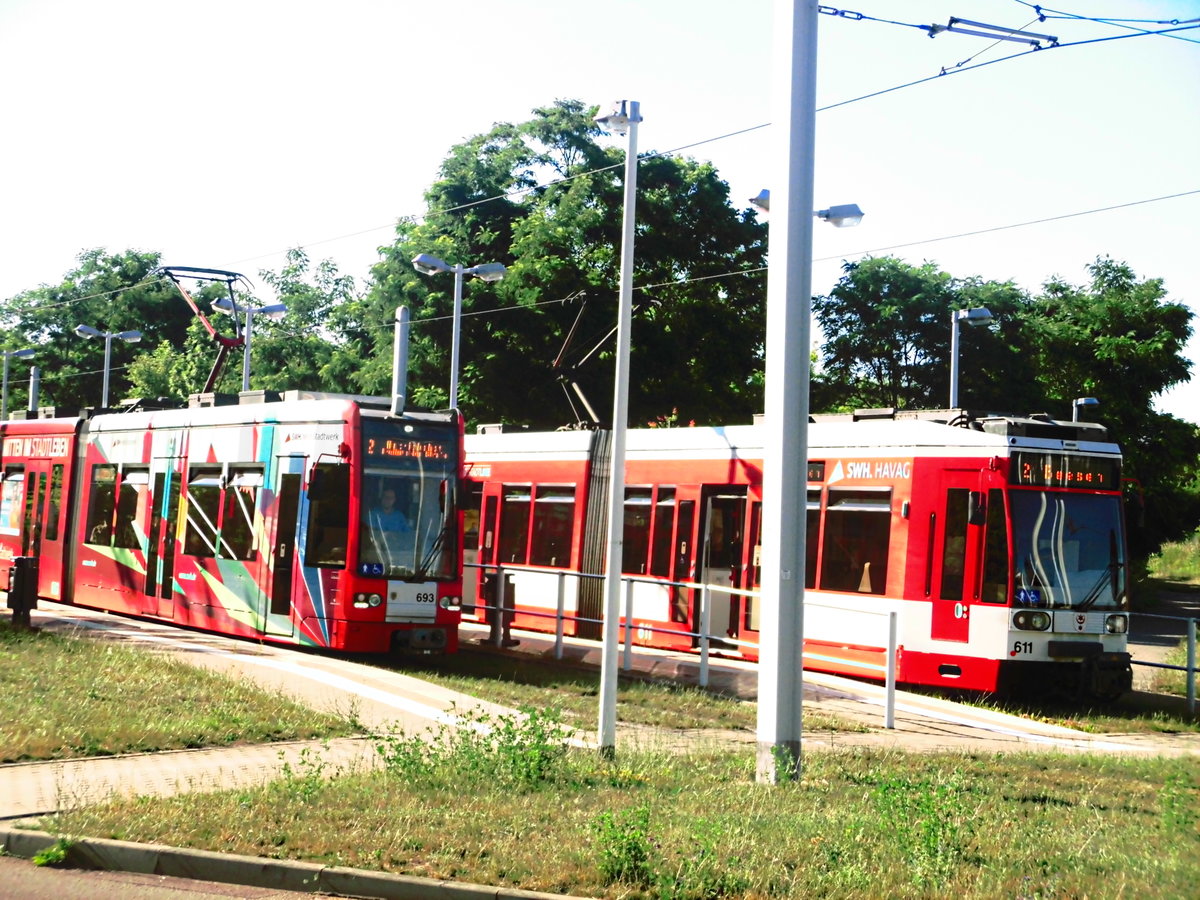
(222, 133)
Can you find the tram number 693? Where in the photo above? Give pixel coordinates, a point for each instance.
(426, 597)
(1020, 647)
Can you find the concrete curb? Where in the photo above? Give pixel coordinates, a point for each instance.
(253, 871)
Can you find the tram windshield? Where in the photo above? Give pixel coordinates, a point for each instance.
(1069, 550)
(408, 525)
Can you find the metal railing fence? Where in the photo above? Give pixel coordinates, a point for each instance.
(704, 637)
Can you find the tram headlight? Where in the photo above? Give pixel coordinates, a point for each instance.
(1032, 620)
(360, 601)
(450, 602)
(1116, 624)
(374, 600)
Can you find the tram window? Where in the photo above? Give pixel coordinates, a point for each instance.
(637, 530)
(553, 520)
(664, 520)
(133, 486)
(514, 525)
(102, 496)
(55, 507)
(812, 538)
(683, 559)
(328, 515)
(203, 507)
(954, 546)
(237, 519)
(11, 500)
(474, 500)
(855, 548)
(995, 567)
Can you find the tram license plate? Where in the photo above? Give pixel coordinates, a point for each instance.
(407, 602)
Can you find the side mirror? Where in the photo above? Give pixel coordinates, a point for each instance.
(976, 508)
(316, 485)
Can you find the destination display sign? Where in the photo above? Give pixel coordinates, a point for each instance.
(1045, 468)
(405, 448)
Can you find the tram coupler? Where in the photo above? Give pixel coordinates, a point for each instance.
(22, 590)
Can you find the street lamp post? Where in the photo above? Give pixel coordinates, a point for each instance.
(9, 354)
(431, 265)
(623, 119)
(130, 337)
(275, 312)
(980, 315)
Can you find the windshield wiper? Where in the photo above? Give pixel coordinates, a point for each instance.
(1109, 574)
(438, 542)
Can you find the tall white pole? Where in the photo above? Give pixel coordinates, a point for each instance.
(954, 316)
(246, 351)
(616, 484)
(108, 336)
(4, 401)
(455, 337)
(785, 467)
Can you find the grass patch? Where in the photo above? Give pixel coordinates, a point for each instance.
(63, 697)
(542, 816)
(1178, 561)
(573, 693)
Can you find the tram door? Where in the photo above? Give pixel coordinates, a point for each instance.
(958, 534)
(159, 586)
(282, 572)
(721, 556)
(34, 539)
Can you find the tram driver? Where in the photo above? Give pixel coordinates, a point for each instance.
(391, 536)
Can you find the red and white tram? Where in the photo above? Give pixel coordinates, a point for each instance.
(998, 542)
(251, 518)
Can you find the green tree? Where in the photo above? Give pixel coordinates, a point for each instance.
(697, 337)
(887, 328)
(1121, 340)
(111, 292)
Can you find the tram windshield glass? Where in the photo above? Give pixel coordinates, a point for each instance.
(409, 520)
(1069, 550)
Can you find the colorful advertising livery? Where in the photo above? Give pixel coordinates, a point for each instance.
(320, 520)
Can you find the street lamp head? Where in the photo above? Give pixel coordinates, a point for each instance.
(979, 315)
(274, 312)
(1079, 404)
(430, 265)
(20, 354)
(225, 305)
(87, 331)
(130, 337)
(845, 216)
(488, 271)
(624, 113)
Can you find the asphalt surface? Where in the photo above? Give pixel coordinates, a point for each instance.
(384, 699)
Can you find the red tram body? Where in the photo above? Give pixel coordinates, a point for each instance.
(248, 519)
(997, 541)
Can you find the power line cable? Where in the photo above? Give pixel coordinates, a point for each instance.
(1114, 22)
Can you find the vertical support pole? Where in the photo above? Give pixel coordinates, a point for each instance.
(400, 361)
(1191, 665)
(455, 336)
(107, 366)
(498, 612)
(620, 423)
(889, 714)
(705, 631)
(4, 396)
(954, 359)
(627, 660)
(246, 350)
(35, 388)
(560, 615)
(788, 339)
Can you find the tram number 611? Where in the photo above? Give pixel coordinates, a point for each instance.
(1020, 647)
